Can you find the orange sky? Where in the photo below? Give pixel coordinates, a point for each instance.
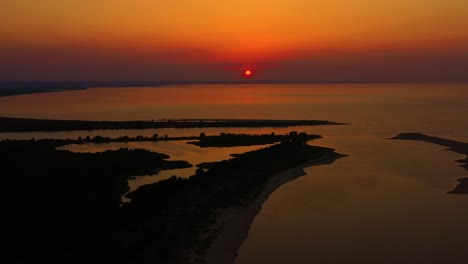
(203, 39)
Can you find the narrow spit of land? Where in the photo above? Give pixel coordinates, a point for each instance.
(21, 88)
(207, 216)
(203, 141)
(232, 140)
(8, 124)
(61, 206)
(234, 223)
(455, 146)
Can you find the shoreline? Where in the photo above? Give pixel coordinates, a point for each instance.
(452, 145)
(14, 124)
(235, 223)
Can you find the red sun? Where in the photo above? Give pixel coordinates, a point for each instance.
(248, 73)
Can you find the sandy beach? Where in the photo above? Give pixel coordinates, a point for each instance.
(236, 222)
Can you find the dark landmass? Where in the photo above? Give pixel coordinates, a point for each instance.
(8, 124)
(57, 205)
(462, 187)
(177, 214)
(18, 88)
(231, 140)
(100, 140)
(455, 146)
(234, 222)
(223, 140)
(64, 207)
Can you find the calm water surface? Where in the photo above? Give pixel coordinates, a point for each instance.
(384, 203)
(371, 108)
(177, 150)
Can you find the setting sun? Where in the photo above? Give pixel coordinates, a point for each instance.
(248, 73)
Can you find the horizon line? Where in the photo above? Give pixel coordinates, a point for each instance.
(172, 82)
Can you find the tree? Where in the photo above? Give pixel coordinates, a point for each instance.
(202, 137)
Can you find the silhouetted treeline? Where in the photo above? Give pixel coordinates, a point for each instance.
(231, 140)
(64, 207)
(47, 143)
(59, 206)
(221, 140)
(23, 124)
(174, 213)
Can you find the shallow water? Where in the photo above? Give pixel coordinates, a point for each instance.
(177, 150)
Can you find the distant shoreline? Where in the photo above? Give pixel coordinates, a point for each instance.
(12, 88)
(8, 124)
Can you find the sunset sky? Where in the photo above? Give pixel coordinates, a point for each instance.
(213, 40)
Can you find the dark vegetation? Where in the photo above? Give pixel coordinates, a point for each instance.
(223, 140)
(64, 207)
(455, 146)
(23, 124)
(184, 209)
(57, 205)
(230, 140)
(49, 143)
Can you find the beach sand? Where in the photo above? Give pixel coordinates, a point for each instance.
(236, 222)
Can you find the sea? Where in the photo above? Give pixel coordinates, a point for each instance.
(385, 202)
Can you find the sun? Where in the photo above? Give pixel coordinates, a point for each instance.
(248, 73)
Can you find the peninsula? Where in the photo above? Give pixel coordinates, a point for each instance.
(207, 216)
(8, 124)
(64, 206)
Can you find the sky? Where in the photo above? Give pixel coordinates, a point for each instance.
(212, 40)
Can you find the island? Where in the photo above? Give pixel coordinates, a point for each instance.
(455, 146)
